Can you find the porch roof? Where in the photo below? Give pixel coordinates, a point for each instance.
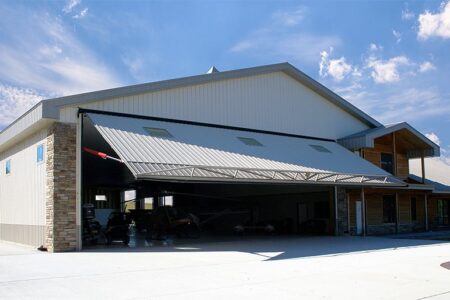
(415, 142)
(437, 174)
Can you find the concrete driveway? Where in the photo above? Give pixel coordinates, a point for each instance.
(275, 268)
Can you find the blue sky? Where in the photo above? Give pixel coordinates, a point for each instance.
(390, 58)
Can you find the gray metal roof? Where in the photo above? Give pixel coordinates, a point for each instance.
(50, 107)
(437, 173)
(366, 138)
(195, 152)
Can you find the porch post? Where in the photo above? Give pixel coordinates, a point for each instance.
(394, 154)
(426, 211)
(363, 208)
(336, 217)
(396, 214)
(422, 162)
(348, 212)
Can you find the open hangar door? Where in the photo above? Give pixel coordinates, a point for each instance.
(225, 209)
(166, 178)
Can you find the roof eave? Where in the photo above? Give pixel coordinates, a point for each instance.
(366, 139)
(205, 78)
(51, 107)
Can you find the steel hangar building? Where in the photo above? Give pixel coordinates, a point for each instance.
(262, 150)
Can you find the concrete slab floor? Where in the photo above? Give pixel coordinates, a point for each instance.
(262, 268)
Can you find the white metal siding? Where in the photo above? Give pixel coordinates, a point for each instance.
(27, 120)
(23, 191)
(273, 101)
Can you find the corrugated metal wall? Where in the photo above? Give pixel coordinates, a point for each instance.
(23, 192)
(273, 101)
(22, 123)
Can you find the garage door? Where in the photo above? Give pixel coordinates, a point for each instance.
(160, 149)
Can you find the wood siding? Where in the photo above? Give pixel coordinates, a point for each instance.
(374, 211)
(404, 209)
(374, 207)
(384, 145)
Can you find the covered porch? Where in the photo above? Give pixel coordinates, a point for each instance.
(412, 208)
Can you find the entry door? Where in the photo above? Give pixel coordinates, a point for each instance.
(359, 220)
(443, 212)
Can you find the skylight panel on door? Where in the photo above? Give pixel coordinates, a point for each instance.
(158, 132)
(320, 148)
(250, 141)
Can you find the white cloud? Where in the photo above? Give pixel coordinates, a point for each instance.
(279, 45)
(357, 72)
(386, 71)
(407, 100)
(73, 8)
(134, 64)
(46, 56)
(81, 14)
(70, 5)
(275, 42)
(14, 101)
(433, 137)
(411, 104)
(397, 35)
(407, 14)
(289, 17)
(336, 68)
(435, 25)
(375, 47)
(426, 66)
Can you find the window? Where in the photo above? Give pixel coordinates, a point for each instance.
(166, 201)
(250, 141)
(413, 209)
(129, 195)
(40, 153)
(389, 214)
(320, 148)
(8, 167)
(158, 132)
(100, 198)
(148, 203)
(387, 162)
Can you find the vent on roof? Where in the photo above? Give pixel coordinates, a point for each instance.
(158, 132)
(250, 141)
(320, 148)
(212, 70)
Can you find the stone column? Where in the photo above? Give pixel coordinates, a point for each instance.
(61, 226)
(342, 220)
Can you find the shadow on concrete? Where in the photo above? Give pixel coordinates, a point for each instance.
(278, 248)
